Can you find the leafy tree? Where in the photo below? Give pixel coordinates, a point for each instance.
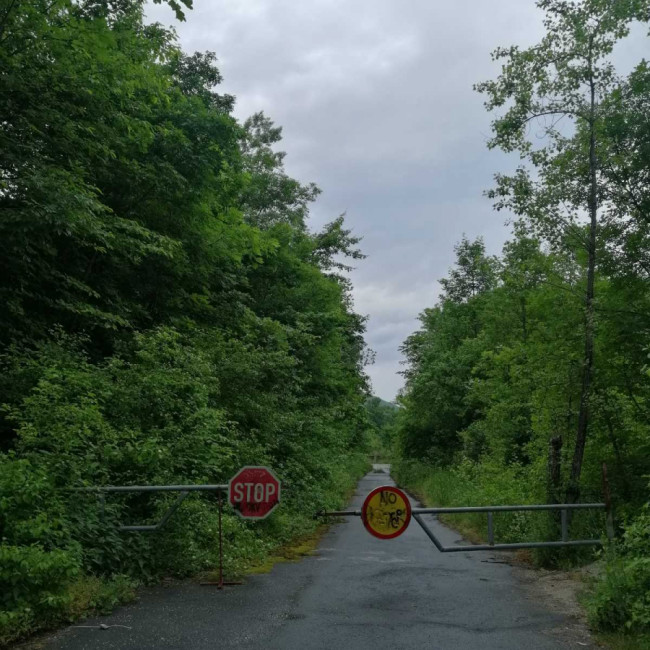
(568, 75)
(270, 196)
(169, 316)
(441, 357)
(474, 272)
(626, 139)
(558, 340)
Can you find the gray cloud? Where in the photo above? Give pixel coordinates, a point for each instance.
(376, 101)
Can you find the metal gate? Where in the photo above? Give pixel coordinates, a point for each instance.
(564, 509)
(254, 492)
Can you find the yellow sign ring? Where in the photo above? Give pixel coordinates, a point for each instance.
(386, 512)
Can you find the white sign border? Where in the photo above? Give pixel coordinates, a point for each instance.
(272, 473)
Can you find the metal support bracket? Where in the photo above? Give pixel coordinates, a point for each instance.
(170, 511)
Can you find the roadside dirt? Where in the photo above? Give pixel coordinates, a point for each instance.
(560, 592)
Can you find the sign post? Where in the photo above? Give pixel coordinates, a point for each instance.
(386, 512)
(254, 492)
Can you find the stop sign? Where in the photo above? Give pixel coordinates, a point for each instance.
(254, 492)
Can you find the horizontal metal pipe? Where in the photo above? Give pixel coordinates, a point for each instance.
(503, 547)
(496, 547)
(549, 506)
(442, 511)
(153, 488)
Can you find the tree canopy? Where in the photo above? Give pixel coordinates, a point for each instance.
(531, 371)
(168, 314)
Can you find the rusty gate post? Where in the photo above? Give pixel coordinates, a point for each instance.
(220, 584)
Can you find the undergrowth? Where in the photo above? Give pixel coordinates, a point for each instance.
(617, 603)
(48, 587)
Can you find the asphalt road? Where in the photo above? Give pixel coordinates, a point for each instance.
(356, 592)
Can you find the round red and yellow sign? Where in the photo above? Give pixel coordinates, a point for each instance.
(386, 512)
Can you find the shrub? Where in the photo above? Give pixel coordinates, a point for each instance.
(621, 599)
(38, 559)
(158, 415)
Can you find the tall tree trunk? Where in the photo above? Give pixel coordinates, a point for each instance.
(573, 490)
(553, 482)
(618, 455)
(554, 470)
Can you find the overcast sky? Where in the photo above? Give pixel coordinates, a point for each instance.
(376, 103)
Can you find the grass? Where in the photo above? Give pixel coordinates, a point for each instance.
(458, 522)
(458, 487)
(93, 595)
(86, 596)
(625, 642)
(487, 484)
(292, 552)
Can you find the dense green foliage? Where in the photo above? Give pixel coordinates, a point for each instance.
(167, 315)
(622, 599)
(545, 347)
(383, 420)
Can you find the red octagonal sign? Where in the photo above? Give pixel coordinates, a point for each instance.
(254, 492)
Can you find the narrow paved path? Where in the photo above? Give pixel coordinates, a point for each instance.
(356, 592)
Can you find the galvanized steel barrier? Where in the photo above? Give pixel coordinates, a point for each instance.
(417, 513)
(564, 509)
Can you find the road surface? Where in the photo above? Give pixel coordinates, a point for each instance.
(356, 592)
